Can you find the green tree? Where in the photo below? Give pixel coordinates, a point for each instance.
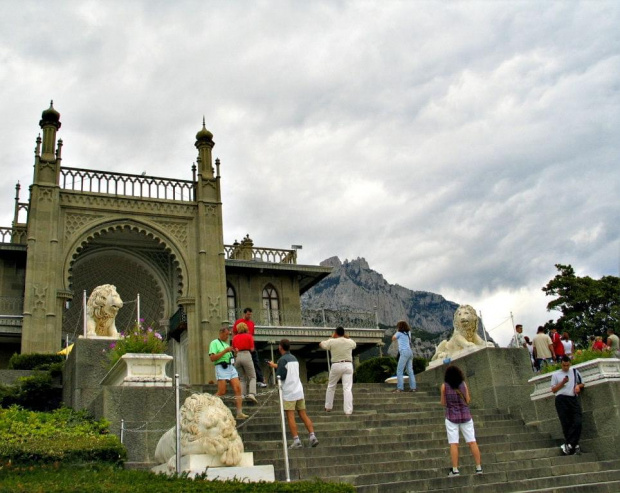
(588, 306)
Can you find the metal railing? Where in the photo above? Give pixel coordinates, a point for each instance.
(274, 255)
(309, 318)
(85, 180)
(15, 234)
(178, 321)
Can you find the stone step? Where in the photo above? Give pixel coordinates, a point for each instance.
(357, 446)
(606, 487)
(506, 481)
(427, 468)
(512, 475)
(264, 416)
(412, 434)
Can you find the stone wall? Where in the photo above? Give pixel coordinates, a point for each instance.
(498, 378)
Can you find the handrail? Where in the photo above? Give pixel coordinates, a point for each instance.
(87, 180)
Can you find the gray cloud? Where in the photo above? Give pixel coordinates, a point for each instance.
(460, 147)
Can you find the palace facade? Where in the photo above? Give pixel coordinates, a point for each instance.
(160, 242)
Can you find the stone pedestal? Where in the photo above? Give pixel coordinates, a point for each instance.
(139, 370)
(199, 463)
(86, 365)
(496, 377)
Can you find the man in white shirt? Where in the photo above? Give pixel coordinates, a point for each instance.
(518, 340)
(293, 394)
(341, 348)
(567, 384)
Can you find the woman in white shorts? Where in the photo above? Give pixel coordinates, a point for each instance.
(455, 398)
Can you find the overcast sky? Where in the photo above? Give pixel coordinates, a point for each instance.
(462, 148)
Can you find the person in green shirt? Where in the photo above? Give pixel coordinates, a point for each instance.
(221, 353)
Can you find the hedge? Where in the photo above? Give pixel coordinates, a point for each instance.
(64, 435)
(36, 392)
(34, 361)
(376, 370)
(56, 479)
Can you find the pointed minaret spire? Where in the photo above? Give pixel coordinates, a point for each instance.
(204, 144)
(50, 123)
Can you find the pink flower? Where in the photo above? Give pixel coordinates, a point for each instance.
(113, 345)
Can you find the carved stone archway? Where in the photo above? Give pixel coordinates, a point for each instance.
(134, 259)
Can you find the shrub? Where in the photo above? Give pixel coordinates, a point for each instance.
(375, 370)
(581, 356)
(36, 392)
(320, 378)
(34, 361)
(419, 365)
(62, 435)
(56, 479)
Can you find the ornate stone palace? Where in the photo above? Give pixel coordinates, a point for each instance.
(156, 239)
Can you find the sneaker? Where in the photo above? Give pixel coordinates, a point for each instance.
(242, 416)
(261, 384)
(577, 450)
(397, 391)
(478, 469)
(412, 390)
(252, 398)
(566, 449)
(314, 441)
(297, 444)
(453, 472)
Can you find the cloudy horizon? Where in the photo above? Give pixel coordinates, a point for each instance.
(461, 148)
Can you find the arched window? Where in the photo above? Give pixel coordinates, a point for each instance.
(271, 305)
(231, 299)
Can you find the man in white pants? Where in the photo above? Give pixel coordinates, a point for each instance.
(341, 348)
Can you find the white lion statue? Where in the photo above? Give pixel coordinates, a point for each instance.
(207, 427)
(101, 309)
(465, 336)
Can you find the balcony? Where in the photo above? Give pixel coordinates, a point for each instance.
(245, 250)
(15, 235)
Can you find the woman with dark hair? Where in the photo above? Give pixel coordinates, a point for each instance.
(405, 360)
(455, 398)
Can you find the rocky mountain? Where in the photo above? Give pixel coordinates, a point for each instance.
(353, 285)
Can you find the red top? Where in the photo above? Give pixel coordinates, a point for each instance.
(243, 342)
(249, 323)
(598, 346)
(558, 347)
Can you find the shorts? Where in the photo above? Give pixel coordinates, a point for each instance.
(299, 405)
(225, 374)
(467, 429)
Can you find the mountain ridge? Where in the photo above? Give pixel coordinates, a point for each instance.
(354, 285)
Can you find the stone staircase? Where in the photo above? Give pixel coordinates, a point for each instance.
(397, 443)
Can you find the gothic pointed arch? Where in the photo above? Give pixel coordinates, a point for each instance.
(136, 257)
(271, 305)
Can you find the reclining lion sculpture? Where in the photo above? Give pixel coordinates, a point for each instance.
(465, 336)
(101, 309)
(207, 427)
